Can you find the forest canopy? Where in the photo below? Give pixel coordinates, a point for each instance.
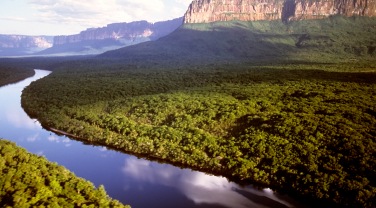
(306, 129)
(29, 180)
(10, 74)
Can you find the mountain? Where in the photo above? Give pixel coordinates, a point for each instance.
(90, 41)
(325, 40)
(113, 36)
(19, 45)
(203, 11)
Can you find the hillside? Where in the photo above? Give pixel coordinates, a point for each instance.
(285, 105)
(336, 38)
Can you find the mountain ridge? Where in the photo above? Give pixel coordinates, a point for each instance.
(23, 44)
(89, 41)
(117, 31)
(234, 41)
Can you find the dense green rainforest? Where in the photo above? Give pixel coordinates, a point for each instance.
(10, 74)
(304, 129)
(291, 107)
(28, 180)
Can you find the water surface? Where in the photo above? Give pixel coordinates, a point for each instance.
(138, 182)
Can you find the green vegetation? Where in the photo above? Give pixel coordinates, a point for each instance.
(291, 107)
(9, 74)
(332, 39)
(291, 127)
(28, 180)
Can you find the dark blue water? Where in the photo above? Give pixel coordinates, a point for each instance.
(138, 182)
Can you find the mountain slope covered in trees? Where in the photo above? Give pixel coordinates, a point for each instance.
(291, 107)
(333, 39)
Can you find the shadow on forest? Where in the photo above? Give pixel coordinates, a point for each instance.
(291, 73)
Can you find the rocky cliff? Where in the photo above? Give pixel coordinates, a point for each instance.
(24, 41)
(202, 11)
(126, 32)
(23, 45)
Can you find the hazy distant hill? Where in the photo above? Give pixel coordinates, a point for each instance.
(90, 41)
(18, 45)
(113, 36)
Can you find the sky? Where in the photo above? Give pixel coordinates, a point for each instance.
(65, 17)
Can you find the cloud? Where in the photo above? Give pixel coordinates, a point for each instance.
(65, 17)
(53, 138)
(33, 138)
(200, 187)
(16, 19)
(97, 13)
(40, 153)
(19, 119)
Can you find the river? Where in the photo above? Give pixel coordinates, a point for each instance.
(131, 180)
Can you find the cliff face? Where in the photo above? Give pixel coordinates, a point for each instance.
(24, 41)
(201, 11)
(123, 32)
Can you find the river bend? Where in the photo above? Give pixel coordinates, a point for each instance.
(138, 182)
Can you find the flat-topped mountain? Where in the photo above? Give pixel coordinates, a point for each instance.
(110, 37)
(23, 44)
(203, 11)
(125, 32)
(254, 30)
(90, 41)
(328, 39)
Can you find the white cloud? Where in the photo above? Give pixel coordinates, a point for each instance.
(16, 19)
(33, 138)
(40, 153)
(199, 187)
(97, 13)
(20, 120)
(63, 17)
(53, 138)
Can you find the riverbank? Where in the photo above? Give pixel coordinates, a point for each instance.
(10, 74)
(291, 128)
(30, 180)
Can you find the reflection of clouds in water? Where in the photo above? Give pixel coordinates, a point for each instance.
(66, 140)
(40, 153)
(20, 120)
(33, 138)
(102, 149)
(200, 187)
(54, 138)
(14, 113)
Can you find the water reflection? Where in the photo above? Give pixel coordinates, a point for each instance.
(134, 181)
(20, 119)
(202, 188)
